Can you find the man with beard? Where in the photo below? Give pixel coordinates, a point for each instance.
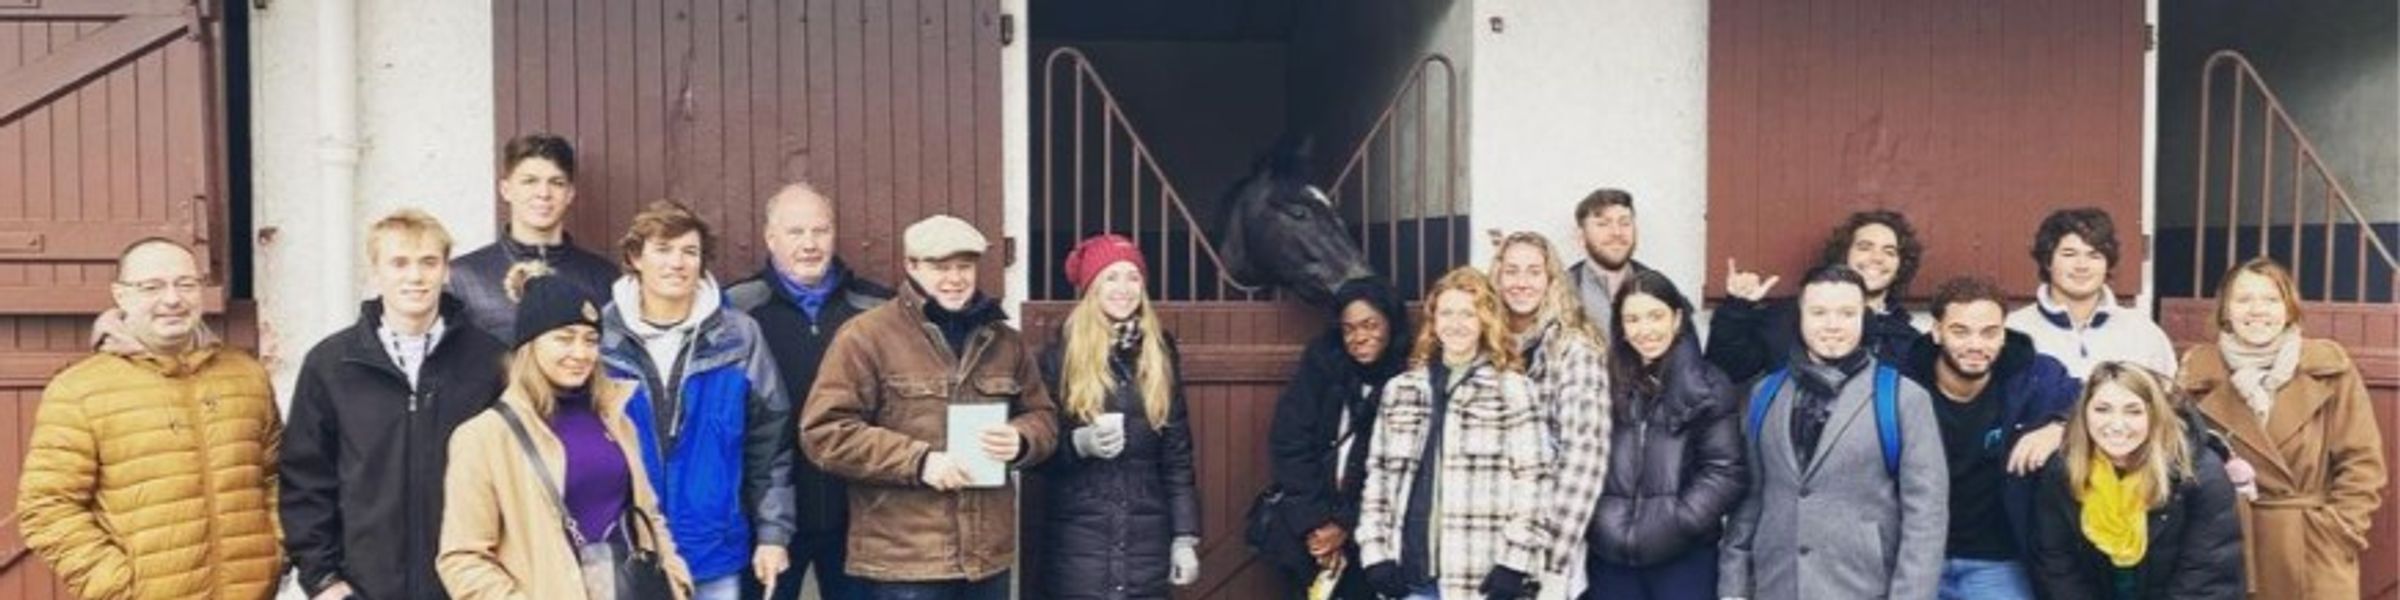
(1604, 221)
(1749, 335)
(2075, 317)
(2002, 408)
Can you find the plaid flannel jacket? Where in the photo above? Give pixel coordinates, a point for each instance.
(1495, 460)
(1570, 382)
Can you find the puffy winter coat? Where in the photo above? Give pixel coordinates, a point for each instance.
(1678, 465)
(1112, 521)
(2195, 549)
(153, 477)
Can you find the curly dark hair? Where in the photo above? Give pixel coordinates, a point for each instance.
(1912, 251)
(2091, 224)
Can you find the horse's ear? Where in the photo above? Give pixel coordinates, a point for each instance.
(1496, 236)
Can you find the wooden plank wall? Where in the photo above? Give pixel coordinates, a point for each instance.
(1975, 119)
(890, 107)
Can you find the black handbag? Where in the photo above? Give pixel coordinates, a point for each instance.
(1267, 531)
(637, 572)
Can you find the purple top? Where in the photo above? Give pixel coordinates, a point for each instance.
(598, 484)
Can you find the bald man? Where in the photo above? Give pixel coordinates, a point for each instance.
(161, 445)
(800, 298)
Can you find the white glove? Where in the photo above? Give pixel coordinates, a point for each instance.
(941, 474)
(1186, 559)
(1103, 440)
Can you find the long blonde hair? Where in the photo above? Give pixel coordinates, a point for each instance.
(1494, 343)
(1562, 305)
(1086, 374)
(2165, 456)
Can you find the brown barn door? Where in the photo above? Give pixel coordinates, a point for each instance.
(109, 133)
(1975, 119)
(892, 108)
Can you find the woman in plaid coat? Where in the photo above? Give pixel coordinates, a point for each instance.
(1570, 388)
(1460, 452)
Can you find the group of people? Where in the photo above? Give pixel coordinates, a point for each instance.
(1554, 431)
(535, 420)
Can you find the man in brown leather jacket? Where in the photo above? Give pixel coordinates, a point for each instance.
(879, 416)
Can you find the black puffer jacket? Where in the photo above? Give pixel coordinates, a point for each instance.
(1676, 465)
(1307, 432)
(1110, 523)
(2195, 549)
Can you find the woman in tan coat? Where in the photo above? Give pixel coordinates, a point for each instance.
(502, 535)
(2297, 411)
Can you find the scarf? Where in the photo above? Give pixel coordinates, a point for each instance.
(2114, 515)
(1128, 334)
(2260, 370)
(811, 298)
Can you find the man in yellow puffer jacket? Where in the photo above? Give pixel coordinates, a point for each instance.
(150, 473)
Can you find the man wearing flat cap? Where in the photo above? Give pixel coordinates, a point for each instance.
(879, 416)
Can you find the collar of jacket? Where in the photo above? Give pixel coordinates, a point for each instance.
(112, 336)
(547, 253)
(982, 309)
(366, 348)
(836, 279)
(2060, 318)
(1682, 379)
(714, 344)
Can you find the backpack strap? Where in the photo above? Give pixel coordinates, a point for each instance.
(1887, 416)
(1764, 397)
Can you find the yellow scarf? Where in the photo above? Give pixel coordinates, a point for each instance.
(2115, 517)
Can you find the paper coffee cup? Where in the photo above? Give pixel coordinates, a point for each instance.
(1112, 420)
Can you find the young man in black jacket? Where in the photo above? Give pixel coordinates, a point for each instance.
(368, 438)
(804, 295)
(538, 182)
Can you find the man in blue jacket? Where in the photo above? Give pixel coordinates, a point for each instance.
(717, 434)
(2002, 408)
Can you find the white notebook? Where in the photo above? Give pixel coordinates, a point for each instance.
(967, 422)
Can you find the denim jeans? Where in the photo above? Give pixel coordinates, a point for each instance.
(1976, 579)
(728, 587)
(992, 588)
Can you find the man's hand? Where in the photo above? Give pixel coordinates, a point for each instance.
(2035, 448)
(768, 562)
(1326, 540)
(942, 474)
(337, 592)
(1747, 285)
(1003, 443)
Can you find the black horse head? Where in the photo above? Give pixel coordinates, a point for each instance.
(1277, 229)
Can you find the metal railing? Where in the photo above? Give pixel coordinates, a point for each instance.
(2305, 166)
(1405, 132)
(1203, 273)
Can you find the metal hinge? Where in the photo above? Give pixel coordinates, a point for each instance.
(2149, 37)
(1008, 29)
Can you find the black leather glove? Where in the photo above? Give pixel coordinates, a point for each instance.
(1388, 580)
(1504, 583)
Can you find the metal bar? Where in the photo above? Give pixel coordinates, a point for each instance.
(1079, 93)
(2233, 200)
(1041, 286)
(2327, 286)
(1108, 168)
(2296, 203)
(2364, 233)
(1392, 212)
(2266, 182)
(1424, 169)
(2200, 186)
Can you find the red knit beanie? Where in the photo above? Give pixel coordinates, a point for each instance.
(1098, 252)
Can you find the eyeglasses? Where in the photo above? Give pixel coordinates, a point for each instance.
(152, 288)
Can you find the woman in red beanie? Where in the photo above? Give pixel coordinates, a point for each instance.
(1123, 518)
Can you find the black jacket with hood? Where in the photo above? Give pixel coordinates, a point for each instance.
(1306, 436)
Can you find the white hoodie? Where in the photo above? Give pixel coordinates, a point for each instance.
(665, 344)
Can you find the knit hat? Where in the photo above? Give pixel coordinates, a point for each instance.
(547, 303)
(1098, 252)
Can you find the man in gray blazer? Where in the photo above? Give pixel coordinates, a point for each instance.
(1825, 515)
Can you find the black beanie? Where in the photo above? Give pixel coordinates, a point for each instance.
(549, 303)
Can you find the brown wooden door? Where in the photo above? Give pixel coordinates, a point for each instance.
(109, 133)
(890, 108)
(1976, 119)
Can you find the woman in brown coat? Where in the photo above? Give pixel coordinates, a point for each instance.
(502, 534)
(2297, 411)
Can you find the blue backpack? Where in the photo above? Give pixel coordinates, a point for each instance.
(1887, 410)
